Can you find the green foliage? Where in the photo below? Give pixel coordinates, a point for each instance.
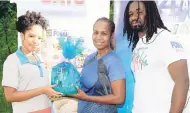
(111, 14)
(7, 8)
(4, 106)
(8, 43)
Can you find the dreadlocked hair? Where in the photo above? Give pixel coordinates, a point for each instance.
(153, 21)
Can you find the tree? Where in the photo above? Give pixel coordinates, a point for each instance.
(8, 43)
(7, 20)
(111, 10)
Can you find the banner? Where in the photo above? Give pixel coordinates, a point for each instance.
(176, 16)
(69, 18)
(74, 18)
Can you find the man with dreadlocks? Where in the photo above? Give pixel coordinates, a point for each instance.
(158, 62)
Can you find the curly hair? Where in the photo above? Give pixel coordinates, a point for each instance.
(153, 18)
(29, 19)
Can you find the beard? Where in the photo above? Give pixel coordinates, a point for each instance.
(138, 26)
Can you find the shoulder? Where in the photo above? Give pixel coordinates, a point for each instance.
(113, 59)
(12, 58)
(11, 63)
(90, 56)
(111, 55)
(165, 36)
(115, 67)
(165, 39)
(170, 40)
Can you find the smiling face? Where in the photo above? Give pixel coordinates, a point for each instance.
(137, 14)
(31, 38)
(101, 35)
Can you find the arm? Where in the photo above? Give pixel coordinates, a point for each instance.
(179, 73)
(10, 82)
(12, 95)
(118, 96)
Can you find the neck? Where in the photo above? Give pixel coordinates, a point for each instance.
(25, 51)
(103, 52)
(141, 34)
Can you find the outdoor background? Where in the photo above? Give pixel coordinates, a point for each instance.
(8, 41)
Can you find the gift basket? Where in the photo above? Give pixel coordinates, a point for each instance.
(65, 75)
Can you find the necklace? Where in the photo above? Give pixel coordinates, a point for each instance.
(152, 40)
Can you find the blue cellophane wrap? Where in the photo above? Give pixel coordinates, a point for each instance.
(66, 78)
(65, 75)
(70, 47)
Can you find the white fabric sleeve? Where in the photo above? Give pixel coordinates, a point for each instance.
(10, 72)
(173, 50)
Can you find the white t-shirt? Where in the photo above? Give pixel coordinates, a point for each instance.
(154, 85)
(20, 74)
